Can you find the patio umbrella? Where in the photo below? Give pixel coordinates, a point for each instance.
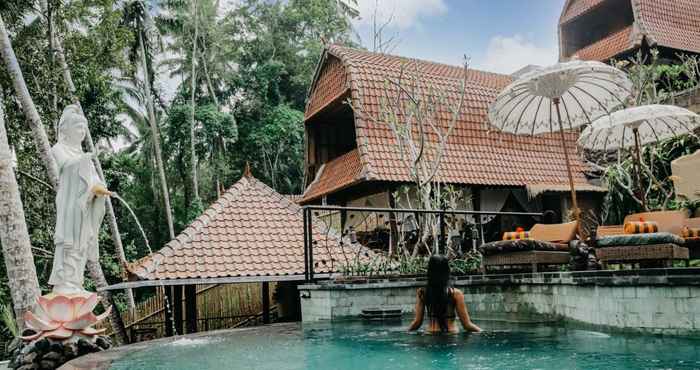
(638, 126)
(578, 92)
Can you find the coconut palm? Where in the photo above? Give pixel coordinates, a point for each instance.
(137, 18)
(41, 140)
(14, 237)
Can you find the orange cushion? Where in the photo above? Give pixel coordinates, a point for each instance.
(641, 227)
(516, 235)
(668, 221)
(690, 232)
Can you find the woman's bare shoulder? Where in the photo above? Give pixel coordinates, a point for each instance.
(457, 293)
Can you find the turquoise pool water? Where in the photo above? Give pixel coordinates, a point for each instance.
(357, 345)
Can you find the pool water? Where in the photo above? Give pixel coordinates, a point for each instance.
(366, 346)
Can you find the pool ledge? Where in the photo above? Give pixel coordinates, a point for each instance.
(656, 301)
(103, 360)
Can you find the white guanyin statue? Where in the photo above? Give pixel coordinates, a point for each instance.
(80, 205)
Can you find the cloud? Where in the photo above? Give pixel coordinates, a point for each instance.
(506, 54)
(403, 13)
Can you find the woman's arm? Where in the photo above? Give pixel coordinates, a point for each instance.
(467, 323)
(418, 321)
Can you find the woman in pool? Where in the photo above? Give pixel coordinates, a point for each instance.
(442, 302)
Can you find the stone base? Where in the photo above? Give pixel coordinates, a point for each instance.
(49, 354)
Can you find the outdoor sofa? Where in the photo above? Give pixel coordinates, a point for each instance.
(547, 245)
(657, 249)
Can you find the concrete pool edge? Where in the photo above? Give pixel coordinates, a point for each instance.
(103, 360)
(650, 301)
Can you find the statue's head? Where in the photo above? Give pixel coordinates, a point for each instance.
(72, 127)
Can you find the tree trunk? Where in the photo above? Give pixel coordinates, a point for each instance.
(156, 138)
(193, 153)
(14, 237)
(98, 277)
(111, 217)
(41, 140)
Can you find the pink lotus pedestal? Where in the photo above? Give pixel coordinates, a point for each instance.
(58, 330)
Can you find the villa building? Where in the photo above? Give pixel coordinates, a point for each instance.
(606, 29)
(355, 161)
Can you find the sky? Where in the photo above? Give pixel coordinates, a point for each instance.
(497, 35)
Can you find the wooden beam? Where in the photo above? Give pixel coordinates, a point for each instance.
(207, 280)
(266, 302)
(169, 311)
(191, 308)
(177, 311)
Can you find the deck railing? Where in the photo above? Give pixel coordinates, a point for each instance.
(400, 224)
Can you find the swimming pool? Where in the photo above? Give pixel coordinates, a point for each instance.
(366, 346)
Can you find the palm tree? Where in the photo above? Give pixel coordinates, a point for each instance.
(137, 18)
(193, 152)
(14, 237)
(41, 140)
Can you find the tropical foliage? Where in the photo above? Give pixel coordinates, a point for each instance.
(189, 89)
(655, 82)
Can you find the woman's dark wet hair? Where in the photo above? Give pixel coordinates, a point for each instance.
(437, 292)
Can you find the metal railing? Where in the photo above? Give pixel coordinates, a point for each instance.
(312, 211)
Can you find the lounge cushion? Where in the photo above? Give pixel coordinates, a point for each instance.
(639, 239)
(690, 232)
(641, 227)
(514, 235)
(520, 245)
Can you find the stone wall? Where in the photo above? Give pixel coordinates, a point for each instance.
(662, 301)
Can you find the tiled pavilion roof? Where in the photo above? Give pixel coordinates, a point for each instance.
(668, 23)
(250, 231)
(476, 154)
(337, 174)
(616, 43)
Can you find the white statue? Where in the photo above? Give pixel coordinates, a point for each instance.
(80, 205)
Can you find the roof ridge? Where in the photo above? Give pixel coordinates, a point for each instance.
(348, 48)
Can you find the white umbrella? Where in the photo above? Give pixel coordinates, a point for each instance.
(638, 126)
(578, 91)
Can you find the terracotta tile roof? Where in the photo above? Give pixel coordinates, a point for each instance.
(340, 172)
(251, 230)
(607, 47)
(670, 23)
(475, 153)
(332, 85)
(574, 8)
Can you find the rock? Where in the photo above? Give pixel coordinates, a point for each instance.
(70, 350)
(29, 367)
(29, 358)
(42, 345)
(56, 347)
(103, 342)
(48, 365)
(85, 347)
(53, 356)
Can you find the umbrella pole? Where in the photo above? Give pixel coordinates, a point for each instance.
(574, 203)
(638, 168)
